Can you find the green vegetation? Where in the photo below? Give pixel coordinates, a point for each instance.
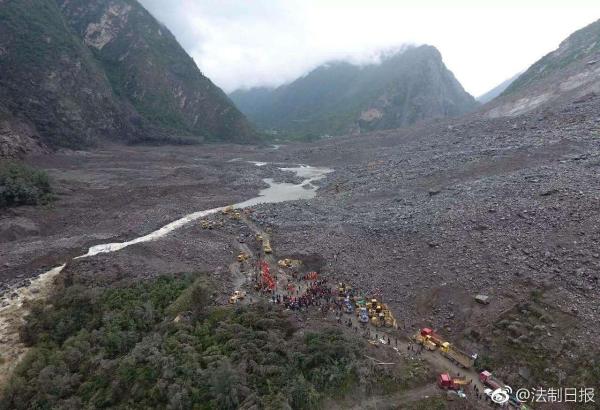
(23, 185)
(160, 344)
(407, 87)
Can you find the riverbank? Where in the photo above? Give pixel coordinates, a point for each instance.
(18, 296)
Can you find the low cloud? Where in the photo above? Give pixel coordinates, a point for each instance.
(246, 43)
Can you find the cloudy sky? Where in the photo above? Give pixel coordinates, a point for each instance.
(245, 43)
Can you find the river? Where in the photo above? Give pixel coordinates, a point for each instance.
(13, 309)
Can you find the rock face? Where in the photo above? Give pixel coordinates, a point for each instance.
(338, 98)
(570, 73)
(16, 137)
(81, 71)
(150, 70)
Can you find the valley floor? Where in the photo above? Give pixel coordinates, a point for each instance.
(429, 217)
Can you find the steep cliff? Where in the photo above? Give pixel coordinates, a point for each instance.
(74, 73)
(149, 69)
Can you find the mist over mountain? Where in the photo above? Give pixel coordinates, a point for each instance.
(338, 98)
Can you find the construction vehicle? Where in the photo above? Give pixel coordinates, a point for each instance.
(378, 320)
(487, 379)
(344, 290)
(427, 334)
(289, 263)
(458, 356)
(284, 263)
(237, 215)
(446, 382)
(259, 237)
(389, 319)
(363, 315)
(428, 339)
(267, 246)
(380, 314)
(227, 210)
(243, 256)
(432, 341)
(237, 296)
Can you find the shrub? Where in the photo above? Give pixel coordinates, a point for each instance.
(23, 185)
(121, 348)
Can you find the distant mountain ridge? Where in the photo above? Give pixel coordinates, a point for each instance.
(567, 74)
(496, 91)
(339, 97)
(75, 72)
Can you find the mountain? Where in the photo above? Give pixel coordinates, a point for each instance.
(339, 97)
(76, 72)
(568, 74)
(496, 91)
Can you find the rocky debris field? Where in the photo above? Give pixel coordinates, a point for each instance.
(429, 217)
(119, 193)
(439, 213)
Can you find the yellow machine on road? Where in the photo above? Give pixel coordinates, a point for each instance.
(432, 341)
(237, 296)
(267, 246)
(289, 263)
(381, 315)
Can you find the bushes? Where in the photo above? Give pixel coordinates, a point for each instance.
(121, 348)
(22, 185)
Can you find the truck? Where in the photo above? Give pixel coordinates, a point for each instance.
(446, 382)
(428, 339)
(422, 338)
(431, 335)
(487, 379)
(465, 360)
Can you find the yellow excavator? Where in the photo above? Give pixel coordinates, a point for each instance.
(381, 315)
